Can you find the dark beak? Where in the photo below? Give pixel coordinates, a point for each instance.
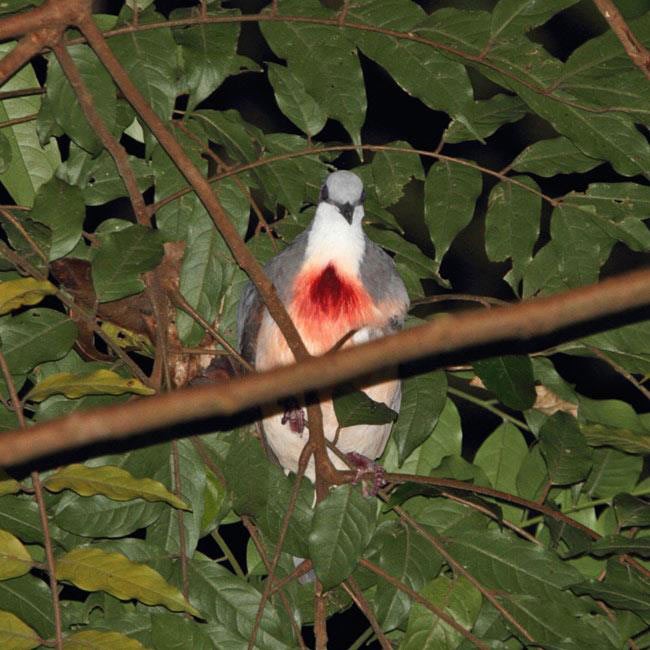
(347, 210)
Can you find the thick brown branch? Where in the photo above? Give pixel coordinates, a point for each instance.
(446, 334)
(637, 52)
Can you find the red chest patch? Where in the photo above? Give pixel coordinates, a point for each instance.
(327, 304)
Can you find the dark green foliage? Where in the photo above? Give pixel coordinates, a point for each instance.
(161, 574)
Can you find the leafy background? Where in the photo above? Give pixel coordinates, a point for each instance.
(504, 149)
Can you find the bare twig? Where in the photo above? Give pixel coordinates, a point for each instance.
(291, 506)
(637, 52)
(353, 590)
(18, 120)
(42, 511)
(621, 371)
(182, 543)
(441, 614)
(486, 301)
(460, 569)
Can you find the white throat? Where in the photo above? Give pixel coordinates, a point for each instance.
(333, 239)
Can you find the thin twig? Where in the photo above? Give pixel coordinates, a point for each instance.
(349, 147)
(460, 569)
(284, 527)
(486, 301)
(441, 614)
(230, 556)
(488, 407)
(320, 616)
(179, 301)
(352, 588)
(182, 543)
(634, 48)
(621, 371)
(18, 120)
(26, 236)
(42, 510)
(252, 531)
(21, 92)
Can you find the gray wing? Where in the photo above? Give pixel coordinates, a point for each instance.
(281, 270)
(381, 279)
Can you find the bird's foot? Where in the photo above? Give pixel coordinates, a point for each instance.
(295, 416)
(364, 466)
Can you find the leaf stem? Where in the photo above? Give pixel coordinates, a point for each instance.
(488, 407)
(225, 549)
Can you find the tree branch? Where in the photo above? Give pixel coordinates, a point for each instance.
(449, 333)
(637, 52)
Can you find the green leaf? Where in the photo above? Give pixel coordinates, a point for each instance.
(423, 399)
(25, 291)
(35, 336)
(144, 54)
(112, 482)
(342, 527)
(357, 408)
(565, 449)
(64, 105)
(458, 598)
(511, 16)
(96, 640)
(30, 239)
(512, 225)
(626, 440)
(391, 171)
(621, 588)
(15, 560)
(190, 482)
(121, 258)
(173, 632)
(631, 511)
(612, 472)
(294, 100)
(550, 157)
(500, 560)
(29, 599)
(409, 558)
(325, 61)
(616, 544)
(91, 569)
(19, 515)
(486, 116)
(533, 475)
(15, 634)
(262, 490)
(97, 382)
(208, 55)
(451, 190)
(31, 164)
(8, 485)
(501, 456)
(230, 605)
(511, 378)
(98, 178)
(100, 516)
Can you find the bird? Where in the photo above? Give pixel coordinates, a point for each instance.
(334, 283)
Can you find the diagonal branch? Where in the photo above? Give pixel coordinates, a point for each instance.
(449, 333)
(634, 48)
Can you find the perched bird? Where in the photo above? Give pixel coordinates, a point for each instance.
(333, 282)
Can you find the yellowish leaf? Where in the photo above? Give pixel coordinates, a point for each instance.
(24, 291)
(15, 559)
(79, 384)
(128, 339)
(92, 569)
(95, 640)
(15, 634)
(8, 485)
(113, 482)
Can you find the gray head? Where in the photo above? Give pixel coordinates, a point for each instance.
(343, 190)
